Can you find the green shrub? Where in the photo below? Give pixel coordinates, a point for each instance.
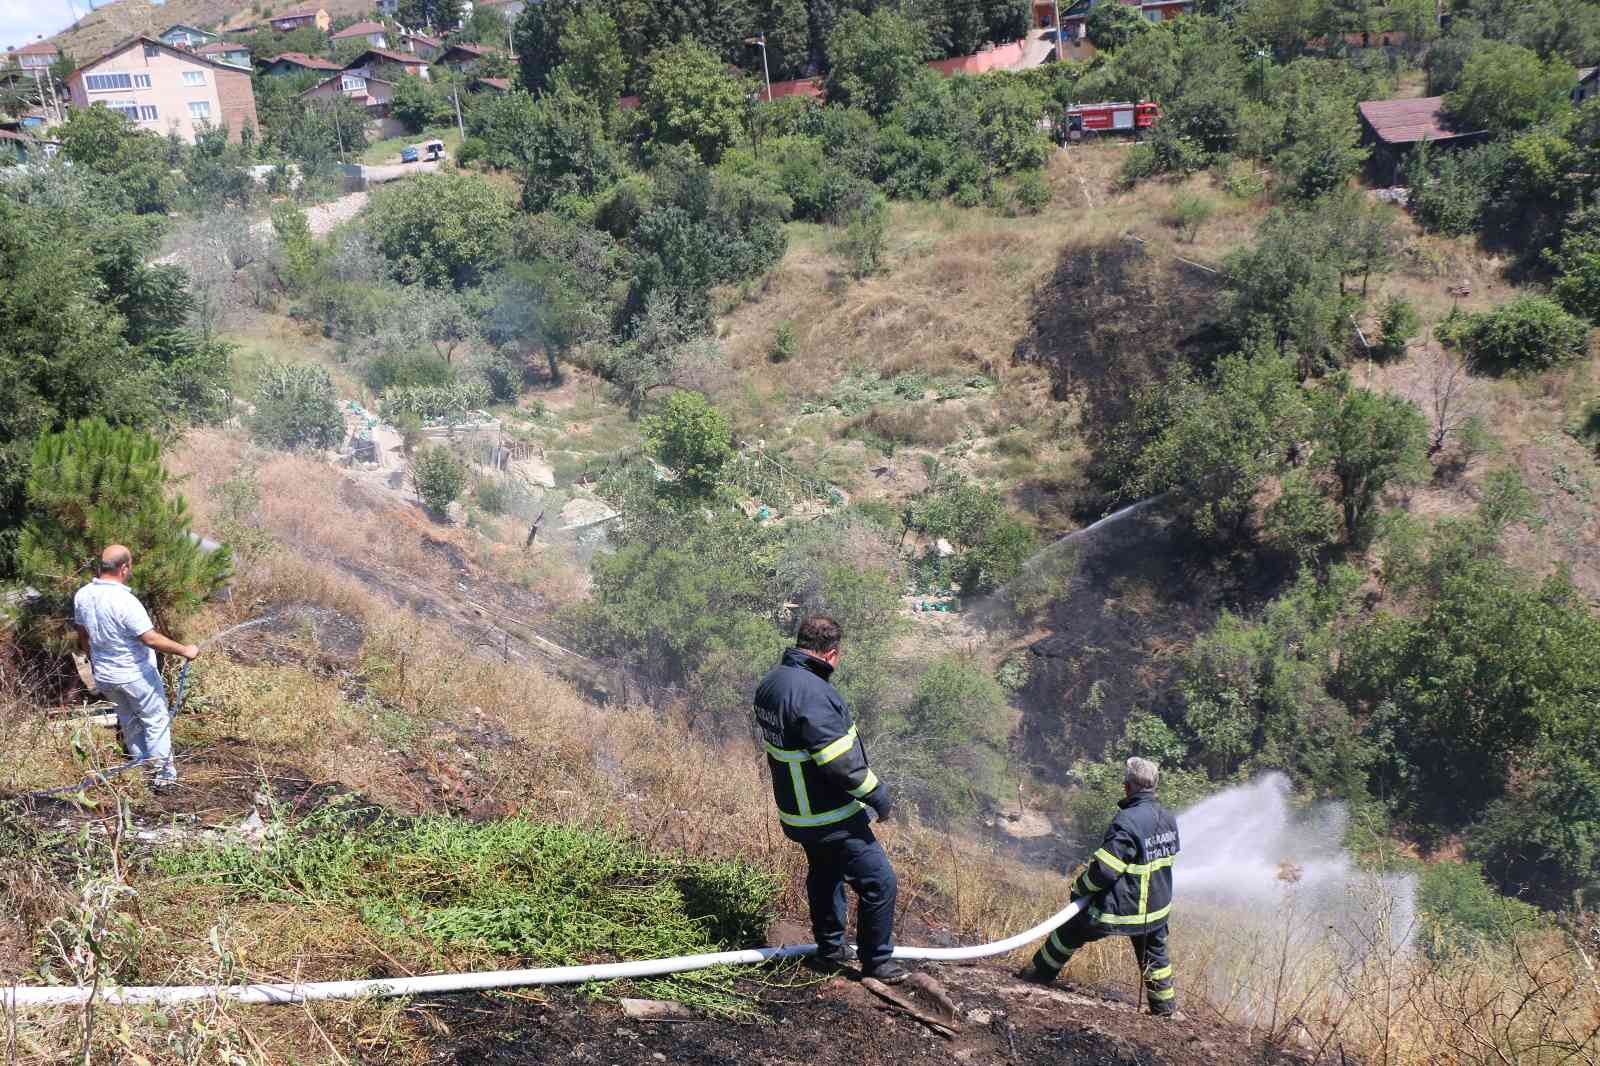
(1138, 163)
(296, 408)
(1529, 334)
(1398, 323)
(691, 438)
(434, 402)
(865, 236)
(384, 372)
(783, 343)
(491, 495)
(438, 477)
(1032, 192)
(1188, 213)
(1461, 910)
(968, 195)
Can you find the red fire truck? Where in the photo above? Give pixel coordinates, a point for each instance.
(1091, 120)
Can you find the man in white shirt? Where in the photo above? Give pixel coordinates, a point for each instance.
(122, 645)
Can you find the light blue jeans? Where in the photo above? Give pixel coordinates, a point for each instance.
(146, 723)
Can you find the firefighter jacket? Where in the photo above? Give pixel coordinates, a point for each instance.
(1129, 879)
(820, 775)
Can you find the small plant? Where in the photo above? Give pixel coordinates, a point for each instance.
(968, 195)
(438, 477)
(492, 496)
(1399, 323)
(865, 236)
(783, 343)
(1032, 192)
(296, 408)
(1527, 335)
(1188, 213)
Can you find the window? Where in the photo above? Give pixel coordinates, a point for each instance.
(199, 109)
(194, 77)
(151, 51)
(147, 113)
(352, 84)
(141, 81)
(126, 108)
(104, 83)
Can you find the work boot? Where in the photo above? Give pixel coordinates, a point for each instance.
(831, 960)
(888, 971)
(1170, 1015)
(1035, 976)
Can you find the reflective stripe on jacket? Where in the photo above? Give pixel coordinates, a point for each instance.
(1129, 878)
(819, 769)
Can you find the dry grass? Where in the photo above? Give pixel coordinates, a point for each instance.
(112, 22)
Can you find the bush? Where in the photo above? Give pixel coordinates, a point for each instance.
(406, 369)
(1529, 334)
(691, 438)
(1398, 323)
(1032, 192)
(92, 485)
(296, 407)
(491, 495)
(783, 343)
(958, 719)
(438, 477)
(1188, 213)
(433, 402)
(865, 235)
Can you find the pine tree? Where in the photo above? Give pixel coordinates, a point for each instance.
(91, 485)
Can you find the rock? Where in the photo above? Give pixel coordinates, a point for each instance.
(658, 1056)
(943, 547)
(655, 1010)
(980, 1016)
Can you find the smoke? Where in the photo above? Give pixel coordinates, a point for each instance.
(1253, 859)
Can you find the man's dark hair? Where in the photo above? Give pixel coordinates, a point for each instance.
(818, 633)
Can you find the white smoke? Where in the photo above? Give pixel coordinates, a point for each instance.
(1260, 886)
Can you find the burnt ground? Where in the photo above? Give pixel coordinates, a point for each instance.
(839, 1023)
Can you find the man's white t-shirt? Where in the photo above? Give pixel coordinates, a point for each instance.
(115, 620)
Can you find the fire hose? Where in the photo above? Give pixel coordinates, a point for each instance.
(260, 994)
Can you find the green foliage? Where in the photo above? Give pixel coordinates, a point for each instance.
(1285, 290)
(1255, 692)
(1190, 211)
(1321, 147)
(688, 97)
(421, 104)
(437, 477)
(1110, 26)
(951, 738)
(1527, 335)
(91, 485)
(1032, 192)
(1461, 911)
(1301, 521)
(991, 544)
(406, 368)
(691, 438)
(103, 141)
(1577, 263)
(1220, 441)
(296, 407)
(439, 229)
(540, 892)
(873, 59)
(1505, 87)
(592, 63)
(1367, 441)
(1451, 191)
(441, 402)
(866, 234)
(1397, 325)
(557, 143)
(782, 348)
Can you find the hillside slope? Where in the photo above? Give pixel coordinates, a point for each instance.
(119, 19)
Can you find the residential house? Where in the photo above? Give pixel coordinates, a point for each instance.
(388, 8)
(373, 34)
(310, 15)
(21, 147)
(235, 55)
(181, 36)
(295, 62)
(36, 56)
(494, 85)
(386, 64)
(1395, 127)
(420, 44)
(463, 58)
(370, 90)
(166, 89)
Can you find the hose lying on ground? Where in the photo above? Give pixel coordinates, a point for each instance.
(16, 996)
(99, 777)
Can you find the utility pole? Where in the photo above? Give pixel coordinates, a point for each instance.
(760, 40)
(1059, 55)
(459, 124)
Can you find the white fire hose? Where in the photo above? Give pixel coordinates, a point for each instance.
(17, 996)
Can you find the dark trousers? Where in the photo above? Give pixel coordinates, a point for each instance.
(851, 857)
(1150, 949)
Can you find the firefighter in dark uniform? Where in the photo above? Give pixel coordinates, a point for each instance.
(1128, 887)
(823, 788)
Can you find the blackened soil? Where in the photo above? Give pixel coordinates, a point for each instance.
(839, 1023)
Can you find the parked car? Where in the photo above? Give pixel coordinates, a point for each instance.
(408, 154)
(435, 149)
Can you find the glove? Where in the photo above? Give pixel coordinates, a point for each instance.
(884, 809)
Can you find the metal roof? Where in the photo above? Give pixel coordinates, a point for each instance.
(1409, 121)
